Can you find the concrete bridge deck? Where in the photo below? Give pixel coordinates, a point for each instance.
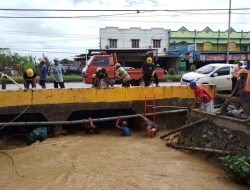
(59, 104)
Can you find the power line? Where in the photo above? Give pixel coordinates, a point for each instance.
(36, 51)
(116, 10)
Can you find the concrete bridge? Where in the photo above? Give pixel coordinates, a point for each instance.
(79, 103)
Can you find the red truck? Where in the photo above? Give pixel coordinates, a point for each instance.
(108, 61)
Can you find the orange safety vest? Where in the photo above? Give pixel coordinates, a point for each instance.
(248, 82)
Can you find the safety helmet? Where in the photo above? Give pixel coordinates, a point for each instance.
(117, 65)
(241, 62)
(98, 69)
(30, 72)
(42, 60)
(56, 59)
(149, 60)
(192, 84)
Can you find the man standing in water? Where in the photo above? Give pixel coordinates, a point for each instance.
(150, 126)
(125, 131)
(91, 128)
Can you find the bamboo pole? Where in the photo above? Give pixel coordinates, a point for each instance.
(4, 75)
(184, 127)
(84, 120)
(176, 107)
(224, 152)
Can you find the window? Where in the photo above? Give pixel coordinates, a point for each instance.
(135, 43)
(205, 69)
(156, 43)
(101, 62)
(207, 46)
(223, 71)
(112, 43)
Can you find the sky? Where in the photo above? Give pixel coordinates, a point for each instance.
(67, 37)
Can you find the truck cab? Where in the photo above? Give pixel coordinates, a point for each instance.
(103, 61)
(107, 62)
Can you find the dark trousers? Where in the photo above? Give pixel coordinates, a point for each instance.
(126, 84)
(147, 79)
(42, 83)
(28, 82)
(61, 84)
(234, 81)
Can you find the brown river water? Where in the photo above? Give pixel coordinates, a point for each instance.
(108, 161)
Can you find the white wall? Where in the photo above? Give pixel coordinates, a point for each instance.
(124, 37)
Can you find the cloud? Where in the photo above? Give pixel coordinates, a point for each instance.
(77, 35)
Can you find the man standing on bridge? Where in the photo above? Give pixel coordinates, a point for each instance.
(44, 73)
(57, 71)
(123, 75)
(149, 71)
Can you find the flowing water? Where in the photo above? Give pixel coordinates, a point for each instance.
(108, 161)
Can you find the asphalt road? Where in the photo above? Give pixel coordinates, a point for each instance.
(69, 85)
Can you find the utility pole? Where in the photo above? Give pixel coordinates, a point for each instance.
(228, 31)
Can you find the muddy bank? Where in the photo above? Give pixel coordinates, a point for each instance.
(209, 135)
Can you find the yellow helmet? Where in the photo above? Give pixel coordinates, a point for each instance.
(149, 60)
(30, 72)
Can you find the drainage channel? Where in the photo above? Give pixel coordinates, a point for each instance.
(14, 128)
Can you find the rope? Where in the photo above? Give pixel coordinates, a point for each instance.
(15, 117)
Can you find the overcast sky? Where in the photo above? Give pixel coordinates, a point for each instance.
(66, 37)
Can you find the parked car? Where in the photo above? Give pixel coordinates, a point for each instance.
(72, 69)
(216, 73)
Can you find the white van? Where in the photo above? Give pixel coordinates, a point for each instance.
(216, 73)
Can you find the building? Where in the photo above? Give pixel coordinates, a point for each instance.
(173, 48)
(137, 42)
(208, 46)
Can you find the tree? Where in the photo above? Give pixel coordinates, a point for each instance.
(66, 61)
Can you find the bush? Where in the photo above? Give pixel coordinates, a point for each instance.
(172, 78)
(238, 168)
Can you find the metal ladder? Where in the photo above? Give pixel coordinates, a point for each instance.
(149, 102)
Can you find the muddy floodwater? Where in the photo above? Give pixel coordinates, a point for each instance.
(108, 161)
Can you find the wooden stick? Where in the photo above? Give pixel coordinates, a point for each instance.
(177, 107)
(184, 127)
(224, 152)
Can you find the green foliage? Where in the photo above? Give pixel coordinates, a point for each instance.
(238, 168)
(66, 61)
(171, 71)
(66, 78)
(192, 68)
(8, 59)
(172, 78)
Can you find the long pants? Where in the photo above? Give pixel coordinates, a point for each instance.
(42, 83)
(234, 81)
(147, 79)
(61, 84)
(31, 82)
